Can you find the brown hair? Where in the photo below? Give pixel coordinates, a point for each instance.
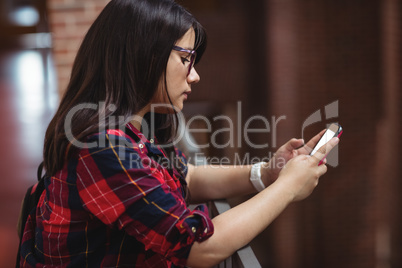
(120, 62)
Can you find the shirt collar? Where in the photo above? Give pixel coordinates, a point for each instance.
(140, 138)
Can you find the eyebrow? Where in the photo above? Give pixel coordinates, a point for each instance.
(188, 48)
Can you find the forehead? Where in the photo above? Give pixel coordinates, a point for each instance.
(188, 40)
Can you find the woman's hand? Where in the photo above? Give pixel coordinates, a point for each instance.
(300, 175)
(286, 152)
(296, 181)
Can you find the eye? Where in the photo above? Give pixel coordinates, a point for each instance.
(184, 60)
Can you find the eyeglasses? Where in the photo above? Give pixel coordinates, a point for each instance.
(191, 53)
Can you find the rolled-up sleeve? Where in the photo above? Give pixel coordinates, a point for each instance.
(125, 190)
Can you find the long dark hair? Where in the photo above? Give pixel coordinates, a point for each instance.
(120, 63)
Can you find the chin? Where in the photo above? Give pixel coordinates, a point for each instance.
(164, 108)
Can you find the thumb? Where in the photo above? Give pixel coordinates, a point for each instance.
(324, 150)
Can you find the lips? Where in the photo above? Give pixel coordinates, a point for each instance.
(186, 94)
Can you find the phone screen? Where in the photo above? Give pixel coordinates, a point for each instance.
(331, 132)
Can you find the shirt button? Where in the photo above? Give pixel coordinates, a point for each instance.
(193, 229)
(141, 145)
(206, 230)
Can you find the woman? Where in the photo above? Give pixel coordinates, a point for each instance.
(117, 189)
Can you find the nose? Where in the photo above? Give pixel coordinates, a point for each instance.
(193, 77)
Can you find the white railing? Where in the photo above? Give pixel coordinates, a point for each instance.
(242, 258)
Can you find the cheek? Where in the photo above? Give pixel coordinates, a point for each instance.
(175, 72)
(174, 81)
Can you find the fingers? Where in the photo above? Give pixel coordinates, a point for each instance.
(320, 155)
(322, 169)
(294, 144)
(311, 143)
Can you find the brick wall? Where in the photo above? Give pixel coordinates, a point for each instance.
(69, 21)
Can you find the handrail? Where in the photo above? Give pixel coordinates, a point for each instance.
(242, 258)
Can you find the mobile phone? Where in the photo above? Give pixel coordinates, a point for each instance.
(334, 130)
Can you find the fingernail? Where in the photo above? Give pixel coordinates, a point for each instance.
(335, 140)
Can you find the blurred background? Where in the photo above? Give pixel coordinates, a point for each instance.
(276, 58)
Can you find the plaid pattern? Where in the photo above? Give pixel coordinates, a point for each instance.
(116, 205)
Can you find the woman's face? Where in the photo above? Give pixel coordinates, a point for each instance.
(178, 77)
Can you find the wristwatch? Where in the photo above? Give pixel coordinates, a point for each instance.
(255, 177)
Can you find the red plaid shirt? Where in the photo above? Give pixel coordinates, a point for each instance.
(116, 205)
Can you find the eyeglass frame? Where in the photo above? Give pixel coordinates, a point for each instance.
(192, 53)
